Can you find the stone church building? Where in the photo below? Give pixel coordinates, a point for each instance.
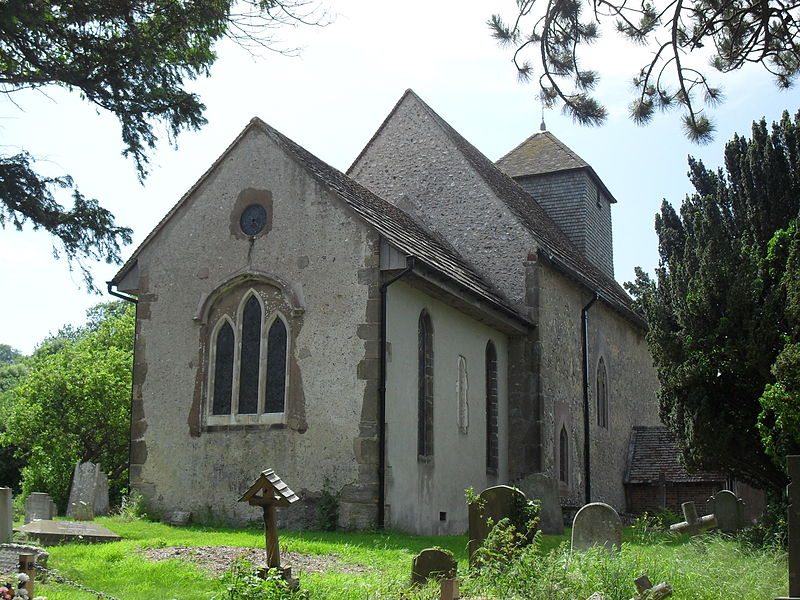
(428, 322)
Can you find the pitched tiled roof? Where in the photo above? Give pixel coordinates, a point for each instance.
(555, 244)
(653, 451)
(389, 221)
(544, 153)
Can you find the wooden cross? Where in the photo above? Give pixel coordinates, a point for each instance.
(269, 492)
(693, 524)
(793, 466)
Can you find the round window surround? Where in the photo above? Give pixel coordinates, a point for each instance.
(253, 219)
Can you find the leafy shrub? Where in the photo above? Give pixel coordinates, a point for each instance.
(328, 509)
(242, 582)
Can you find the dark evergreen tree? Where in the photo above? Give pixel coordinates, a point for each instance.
(716, 309)
(131, 58)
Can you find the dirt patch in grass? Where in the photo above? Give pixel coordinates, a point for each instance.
(218, 559)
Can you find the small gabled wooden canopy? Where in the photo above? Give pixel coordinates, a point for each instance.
(273, 491)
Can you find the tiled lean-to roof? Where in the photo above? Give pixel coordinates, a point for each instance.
(392, 223)
(654, 454)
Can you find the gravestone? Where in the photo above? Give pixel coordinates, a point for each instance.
(39, 505)
(433, 563)
(793, 491)
(9, 556)
(539, 486)
(692, 523)
(89, 485)
(82, 511)
(492, 505)
(6, 515)
(596, 524)
(55, 532)
(729, 511)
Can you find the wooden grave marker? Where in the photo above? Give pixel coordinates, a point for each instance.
(270, 492)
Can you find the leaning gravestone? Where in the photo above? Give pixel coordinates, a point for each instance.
(39, 506)
(729, 511)
(596, 524)
(6, 515)
(89, 485)
(433, 563)
(539, 486)
(492, 505)
(55, 532)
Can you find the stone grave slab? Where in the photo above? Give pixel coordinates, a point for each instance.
(538, 486)
(9, 556)
(596, 524)
(89, 485)
(177, 518)
(729, 511)
(433, 563)
(492, 504)
(55, 532)
(39, 505)
(6, 515)
(82, 511)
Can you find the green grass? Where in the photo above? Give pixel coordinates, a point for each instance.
(707, 569)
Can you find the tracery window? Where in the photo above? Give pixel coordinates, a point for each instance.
(602, 394)
(492, 441)
(248, 357)
(425, 386)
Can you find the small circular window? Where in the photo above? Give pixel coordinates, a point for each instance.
(253, 219)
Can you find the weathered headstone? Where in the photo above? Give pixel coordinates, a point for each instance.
(692, 523)
(177, 518)
(433, 563)
(492, 505)
(55, 532)
(448, 589)
(6, 515)
(82, 511)
(89, 485)
(39, 505)
(596, 524)
(793, 491)
(9, 556)
(539, 486)
(729, 511)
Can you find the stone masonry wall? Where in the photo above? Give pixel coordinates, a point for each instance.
(328, 262)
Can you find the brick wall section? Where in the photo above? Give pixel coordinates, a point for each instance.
(571, 199)
(651, 498)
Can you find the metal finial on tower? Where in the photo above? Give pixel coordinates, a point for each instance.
(542, 126)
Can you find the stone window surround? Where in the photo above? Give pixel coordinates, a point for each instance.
(492, 408)
(425, 388)
(563, 455)
(260, 418)
(462, 395)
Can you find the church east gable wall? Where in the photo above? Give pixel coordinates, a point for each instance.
(317, 266)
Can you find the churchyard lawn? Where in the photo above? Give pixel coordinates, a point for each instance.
(158, 561)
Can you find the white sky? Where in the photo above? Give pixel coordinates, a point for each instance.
(330, 100)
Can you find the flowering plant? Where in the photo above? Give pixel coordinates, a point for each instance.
(14, 591)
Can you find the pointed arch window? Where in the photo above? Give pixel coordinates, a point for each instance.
(563, 456)
(492, 438)
(602, 394)
(425, 386)
(248, 373)
(462, 395)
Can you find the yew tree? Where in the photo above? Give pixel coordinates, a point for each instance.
(716, 309)
(133, 58)
(685, 39)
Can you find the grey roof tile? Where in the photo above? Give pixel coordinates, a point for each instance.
(653, 451)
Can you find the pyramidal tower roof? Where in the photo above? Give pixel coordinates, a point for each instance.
(544, 153)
